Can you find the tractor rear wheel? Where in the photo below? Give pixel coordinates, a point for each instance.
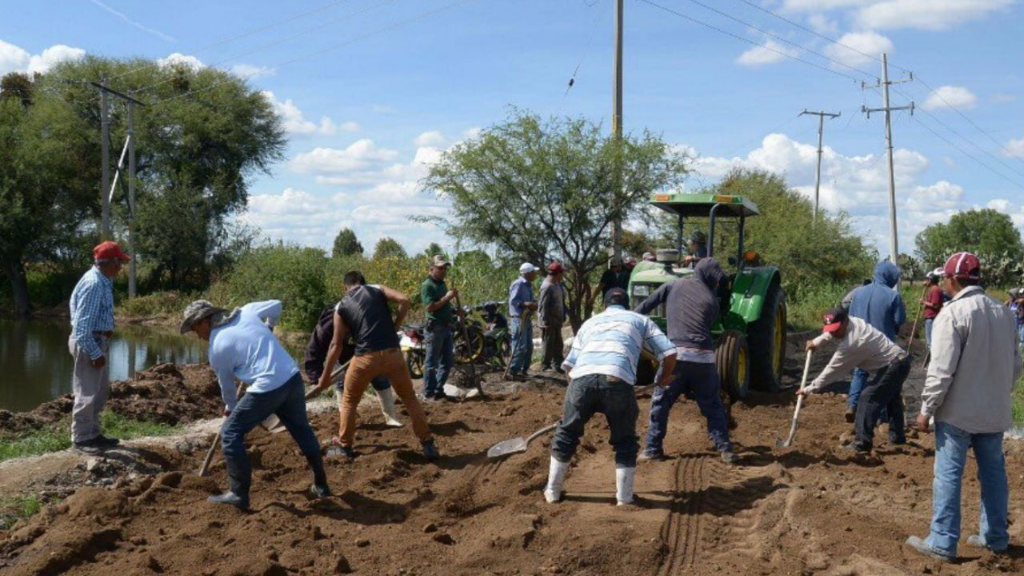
(767, 337)
(732, 359)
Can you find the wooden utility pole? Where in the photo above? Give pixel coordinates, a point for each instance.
(817, 174)
(894, 252)
(617, 123)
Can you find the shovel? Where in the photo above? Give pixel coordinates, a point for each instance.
(799, 403)
(517, 445)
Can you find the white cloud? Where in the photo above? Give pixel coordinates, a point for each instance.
(179, 59)
(1000, 205)
(768, 53)
(350, 126)
(822, 24)
(248, 71)
(433, 139)
(820, 5)
(942, 195)
(382, 109)
(296, 123)
(472, 133)
(925, 14)
(869, 43)
(950, 97)
(1014, 148)
(16, 59)
(360, 155)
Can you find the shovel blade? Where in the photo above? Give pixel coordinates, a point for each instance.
(507, 447)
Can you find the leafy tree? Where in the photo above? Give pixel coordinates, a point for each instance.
(346, 244)
(473, 258)
(433, 249)
(543, 190)
(388, 247)
(988, 233)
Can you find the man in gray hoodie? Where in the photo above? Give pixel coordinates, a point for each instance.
(691, 307)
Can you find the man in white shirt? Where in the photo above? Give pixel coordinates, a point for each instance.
(864, 346)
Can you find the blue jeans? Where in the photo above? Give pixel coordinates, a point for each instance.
(288, 402)
(951, 444)
(440, 358)
(522, 346)
(589, 395)
(860, 379)
(928, 331)
(698, 382)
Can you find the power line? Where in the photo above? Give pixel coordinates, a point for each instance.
(966, 153)
(749, 41)
(779, 38)
(280, 41)
(588, 44)
(353, 40)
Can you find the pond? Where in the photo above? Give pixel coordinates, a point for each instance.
(35, 365)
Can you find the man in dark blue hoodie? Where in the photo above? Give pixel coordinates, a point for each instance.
(691, 307)
(880, 305)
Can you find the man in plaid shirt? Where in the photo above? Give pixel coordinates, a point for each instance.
(92, 325)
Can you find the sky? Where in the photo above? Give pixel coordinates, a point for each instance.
(372, 91)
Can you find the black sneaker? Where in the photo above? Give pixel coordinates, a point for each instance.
(341, 450)
(88, 446)
(651, 456)
(430, 450)
(854, 448)
(102, 440)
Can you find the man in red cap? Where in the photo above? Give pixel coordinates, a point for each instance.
(92, 325)
(863, 346)
(551, 316)
(975, 362)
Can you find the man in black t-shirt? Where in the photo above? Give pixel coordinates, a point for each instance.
(616, 276)
(364, 313)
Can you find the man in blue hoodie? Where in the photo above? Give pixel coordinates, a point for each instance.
(880, 305)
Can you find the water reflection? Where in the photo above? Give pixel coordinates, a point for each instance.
(35, 365)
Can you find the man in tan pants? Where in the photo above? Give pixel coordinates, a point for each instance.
(364, 313)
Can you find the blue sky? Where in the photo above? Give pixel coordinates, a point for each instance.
(373, 90)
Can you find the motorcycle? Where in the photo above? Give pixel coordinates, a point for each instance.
(413, 342)
(497, 337)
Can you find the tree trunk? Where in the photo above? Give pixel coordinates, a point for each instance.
(19, 288)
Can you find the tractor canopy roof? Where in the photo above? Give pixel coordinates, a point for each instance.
(688, 205)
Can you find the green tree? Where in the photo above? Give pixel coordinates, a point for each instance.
(433, 249)
(388, 247)
(543, 190)
(988, 233)
(346, 244)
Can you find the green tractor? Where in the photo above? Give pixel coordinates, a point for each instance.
(750, 333)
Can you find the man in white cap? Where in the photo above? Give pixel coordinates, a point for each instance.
(521, 306)
(243, 347)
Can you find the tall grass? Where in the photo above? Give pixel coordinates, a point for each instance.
(57, 437)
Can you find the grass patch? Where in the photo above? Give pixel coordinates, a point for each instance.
(1018, 403)
(57, 437)
(17, 508)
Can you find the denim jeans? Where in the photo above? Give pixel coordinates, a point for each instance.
(883, 398)
(594, 394)
(522, 346)
(697, 382)
(951, 444)
(860, 378)
(440, 358)
(288, 402)
(928, 331)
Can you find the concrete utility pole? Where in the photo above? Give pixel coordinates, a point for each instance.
(894, 252)
(105, 148)
(617, 121)
(817, 174)
(131, 200)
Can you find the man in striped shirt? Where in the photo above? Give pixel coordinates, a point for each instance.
(602, 372)
(92, 325)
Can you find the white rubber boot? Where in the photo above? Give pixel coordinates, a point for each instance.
(386, 397)
(556, 477)
(624, 485)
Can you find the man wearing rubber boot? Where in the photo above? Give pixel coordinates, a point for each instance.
(602, 372)
(691, 306)
(364, 313)
(881, 306)
(243, 346)
(862, 346)
(974, 365)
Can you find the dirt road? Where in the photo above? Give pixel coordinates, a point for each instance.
(805, 510)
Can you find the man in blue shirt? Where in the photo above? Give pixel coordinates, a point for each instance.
(602, 372)
(521, 306)
(92, 325)
(243, 346)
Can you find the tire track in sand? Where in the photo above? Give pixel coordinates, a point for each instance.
(681, 529)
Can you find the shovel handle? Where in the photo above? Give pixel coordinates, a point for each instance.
(317, 390)
(541, 432)
(209, 455)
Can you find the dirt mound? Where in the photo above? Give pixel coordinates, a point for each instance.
(809, 509)
(165, 393)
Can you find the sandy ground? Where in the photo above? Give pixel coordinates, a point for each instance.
(809, 509)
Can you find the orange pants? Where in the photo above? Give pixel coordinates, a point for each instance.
(365, 367)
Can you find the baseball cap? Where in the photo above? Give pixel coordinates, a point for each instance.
(526, 268)
(109, 250)
(616, 297)
(963, 265)
(834, 319)
(438, 261)
(556, 267)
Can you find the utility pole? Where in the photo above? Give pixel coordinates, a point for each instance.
(817, 174)
(894, 252)
(617, 123)
(107, 194)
